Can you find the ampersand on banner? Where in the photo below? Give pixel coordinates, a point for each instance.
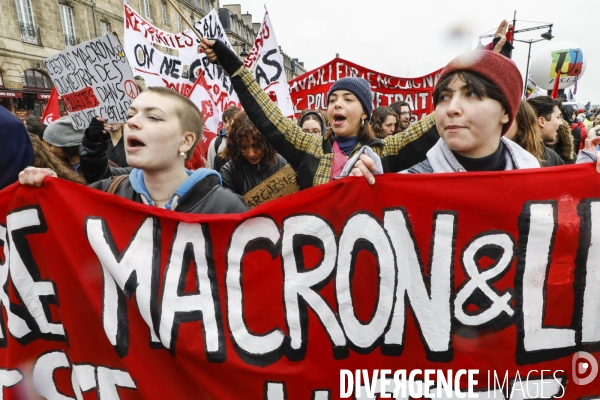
(479, 280)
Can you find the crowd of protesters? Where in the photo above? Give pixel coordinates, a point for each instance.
(480, 123)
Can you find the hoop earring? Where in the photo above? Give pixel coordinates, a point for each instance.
(362, 123)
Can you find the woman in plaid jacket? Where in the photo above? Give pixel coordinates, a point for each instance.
(318, 160)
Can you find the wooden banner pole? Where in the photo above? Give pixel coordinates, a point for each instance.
(183, 17)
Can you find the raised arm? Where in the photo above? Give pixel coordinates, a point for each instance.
(284, 135)
(93, 153)
(409, 147)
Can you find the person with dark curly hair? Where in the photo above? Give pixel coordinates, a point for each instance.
(384, 122)
(250, 157)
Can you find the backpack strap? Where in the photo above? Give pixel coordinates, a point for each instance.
(116, 182)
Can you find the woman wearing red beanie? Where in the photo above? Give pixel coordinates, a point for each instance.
(476, 100)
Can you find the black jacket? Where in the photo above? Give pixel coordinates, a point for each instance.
(576, 133)
(205, 197)
(550, 158)
(94, 160)
(116, 153)
(245, 177)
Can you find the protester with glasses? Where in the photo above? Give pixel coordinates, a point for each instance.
(312, 122)
(403, 110)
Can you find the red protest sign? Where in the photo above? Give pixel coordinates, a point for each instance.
(493, 276)
(80, 100)
(310, 89)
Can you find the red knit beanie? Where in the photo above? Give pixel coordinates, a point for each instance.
(496, 68)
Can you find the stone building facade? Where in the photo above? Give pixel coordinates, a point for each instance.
(293, 67)
(240, 30)
(33, 30)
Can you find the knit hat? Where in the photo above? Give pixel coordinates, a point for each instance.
(16, 152)
(360, 88)
(496, 68)
(60, 133)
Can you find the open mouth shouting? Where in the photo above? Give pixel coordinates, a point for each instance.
(338, 119)
(134, 143)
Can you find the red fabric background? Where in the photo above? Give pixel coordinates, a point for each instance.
(483, 202)
(318, 81)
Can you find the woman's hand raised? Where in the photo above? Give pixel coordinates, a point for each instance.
(207, 48)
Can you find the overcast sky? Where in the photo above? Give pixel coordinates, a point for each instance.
(413, 38)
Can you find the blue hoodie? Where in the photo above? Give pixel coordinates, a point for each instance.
(136, 177)
(16, 152)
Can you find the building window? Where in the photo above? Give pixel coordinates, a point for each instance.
(105, 27)
(66, 17)
(29, 32)
(192, 18)
(147, 8)
(179, 27)
(1, 80)
(164, 13)
(32, 78)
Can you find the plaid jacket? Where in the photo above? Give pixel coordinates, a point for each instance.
(312, 156)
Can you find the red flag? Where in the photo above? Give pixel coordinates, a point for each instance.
(554, 94)
(51, 113)
(510, 34)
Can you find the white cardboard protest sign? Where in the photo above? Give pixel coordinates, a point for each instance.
(266, 62)
(94, 79)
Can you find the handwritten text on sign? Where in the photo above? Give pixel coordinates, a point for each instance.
(91, 79)
(281, 183)
(310, 90)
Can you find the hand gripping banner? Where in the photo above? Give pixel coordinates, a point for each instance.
(453, 285)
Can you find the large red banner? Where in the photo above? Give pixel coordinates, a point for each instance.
(484, 280)
(310, 89)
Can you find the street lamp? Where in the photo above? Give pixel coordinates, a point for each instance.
(243, 53)
(545, 36)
